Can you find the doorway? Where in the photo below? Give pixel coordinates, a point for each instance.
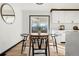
(39, 23)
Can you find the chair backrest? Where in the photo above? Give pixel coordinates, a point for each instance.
(39, 40)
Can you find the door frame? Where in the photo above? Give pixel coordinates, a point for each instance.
(41, 16)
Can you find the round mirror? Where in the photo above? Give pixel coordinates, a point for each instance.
(7, 13)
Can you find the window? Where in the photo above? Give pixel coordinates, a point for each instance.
(39, 23)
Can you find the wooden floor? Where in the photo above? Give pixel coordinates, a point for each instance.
(16, 51)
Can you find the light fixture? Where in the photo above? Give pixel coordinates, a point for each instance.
(39, 3)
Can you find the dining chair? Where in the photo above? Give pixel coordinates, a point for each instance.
(54, 41)
(24, 35)
(39, 42)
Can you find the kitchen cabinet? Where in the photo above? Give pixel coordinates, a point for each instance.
(66, 18)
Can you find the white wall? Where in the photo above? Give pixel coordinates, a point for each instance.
(26, 14)
(10, 34)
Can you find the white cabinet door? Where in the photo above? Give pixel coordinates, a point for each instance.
(72, 43)
(61, 36)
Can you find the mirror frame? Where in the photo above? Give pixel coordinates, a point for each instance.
(10, 15)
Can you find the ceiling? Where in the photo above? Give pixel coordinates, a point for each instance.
(47, 6)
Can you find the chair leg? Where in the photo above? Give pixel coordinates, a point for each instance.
(56, 45)
(48, 47)
(33, 47)
(53, 41)
(22, 47)
(29, 47)
(32, 51)
(46, 52)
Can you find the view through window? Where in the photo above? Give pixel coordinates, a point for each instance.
(39, 24)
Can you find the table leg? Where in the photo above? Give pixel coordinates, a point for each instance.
(48, 47)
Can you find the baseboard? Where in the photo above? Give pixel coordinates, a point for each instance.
(4, 53)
